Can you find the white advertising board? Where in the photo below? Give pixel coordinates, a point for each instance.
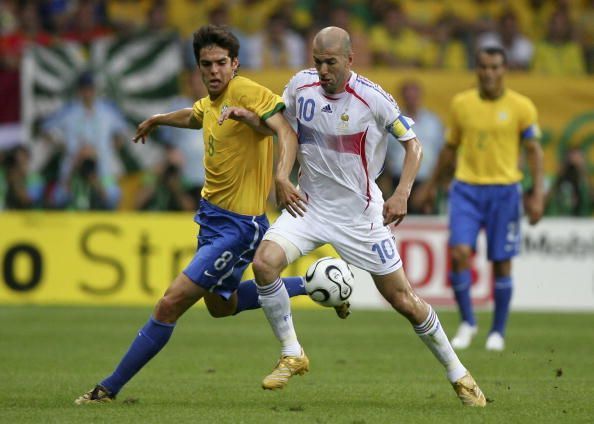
(555, 270)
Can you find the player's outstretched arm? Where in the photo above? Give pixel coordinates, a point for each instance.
(247, 117)
(183, 118)
(535, 198)
(287, 195)
(395, 207)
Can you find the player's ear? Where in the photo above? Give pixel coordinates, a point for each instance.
(235, 64)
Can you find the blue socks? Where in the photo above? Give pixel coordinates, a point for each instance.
(155, 334)
(503, 294)
(461, 282)
(149, 341)
(247, 292)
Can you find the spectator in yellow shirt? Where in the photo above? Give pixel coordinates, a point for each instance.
(585, 29)
(394, 43)
(343, 17)
(275, 46)
(187, 15)
(533, 16)
(251, 16)
(424, 14)
(445, 51)
(558, 54)
(475, 16)
(128, 14)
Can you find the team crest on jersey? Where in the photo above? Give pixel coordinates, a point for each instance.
(327, 109)
(502, 116)
(224, 108)
(343, 124)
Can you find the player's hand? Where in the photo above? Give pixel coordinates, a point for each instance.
(395, 209)
(424, 197)
(289, 198)
(143, 130)
(534, 206)
(237, 114)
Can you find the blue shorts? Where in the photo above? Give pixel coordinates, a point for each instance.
(497, 208)
(227, 242)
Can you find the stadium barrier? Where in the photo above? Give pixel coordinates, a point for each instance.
(130, 258)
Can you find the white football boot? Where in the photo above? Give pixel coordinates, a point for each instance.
(464, 336)
(495, 342)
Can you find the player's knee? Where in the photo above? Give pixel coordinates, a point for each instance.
(265, 267)
(166, 310)
(259, 265)
(502, 268)
(460, 256)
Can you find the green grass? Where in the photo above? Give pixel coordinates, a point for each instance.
(370, 368)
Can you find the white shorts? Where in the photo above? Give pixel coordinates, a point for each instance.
(368, 246)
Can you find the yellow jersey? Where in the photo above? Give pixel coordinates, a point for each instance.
(237, 159)
(488, 134)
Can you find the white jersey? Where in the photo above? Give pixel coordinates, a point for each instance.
(342, 144)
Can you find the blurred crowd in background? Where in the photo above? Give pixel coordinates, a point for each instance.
(554, 37)
(84, 161)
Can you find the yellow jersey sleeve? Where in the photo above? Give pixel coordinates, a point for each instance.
(258, 99)
(529, 128)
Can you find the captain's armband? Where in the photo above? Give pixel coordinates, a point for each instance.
(401, 128)
(532, 132)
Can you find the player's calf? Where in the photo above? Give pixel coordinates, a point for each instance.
(219, 307)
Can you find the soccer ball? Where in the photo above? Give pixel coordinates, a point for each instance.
(329, 281)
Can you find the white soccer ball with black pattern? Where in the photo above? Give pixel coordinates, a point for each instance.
(329, 281)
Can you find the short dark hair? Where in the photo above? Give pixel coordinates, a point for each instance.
(219, 35)
(492, 50)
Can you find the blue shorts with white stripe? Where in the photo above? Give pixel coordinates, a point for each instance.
(227, 242)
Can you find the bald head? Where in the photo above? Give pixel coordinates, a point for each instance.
(333, 57)
(333, 39)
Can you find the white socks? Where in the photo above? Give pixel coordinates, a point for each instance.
(275, 302)
(434, 337)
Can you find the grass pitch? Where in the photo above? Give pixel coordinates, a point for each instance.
(368, 369)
